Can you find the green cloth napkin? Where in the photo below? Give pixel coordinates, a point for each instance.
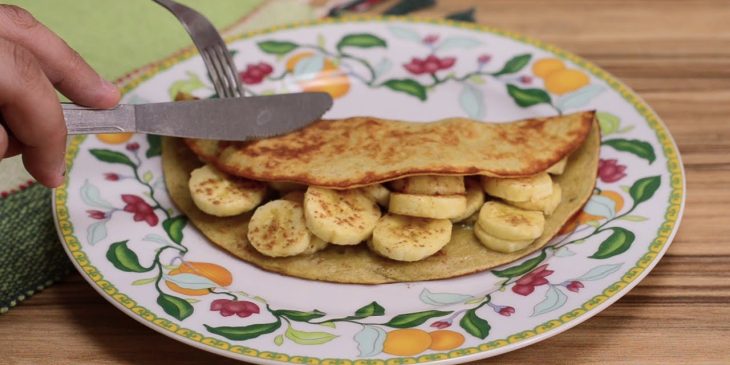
(115, 37)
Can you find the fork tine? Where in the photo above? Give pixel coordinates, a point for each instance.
(234, 84)
(211, 46)
(220, 71)
(214, 75)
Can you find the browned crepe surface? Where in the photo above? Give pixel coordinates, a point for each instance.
(357, 264)
(362, 150)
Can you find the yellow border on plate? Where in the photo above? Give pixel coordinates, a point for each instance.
(655, 248)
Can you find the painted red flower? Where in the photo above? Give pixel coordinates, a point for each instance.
(132, 146)
(574, 286)
(429, 65)
(526, 284)
(430, 39)
(255, 73)
(110, 176)
(441, 324)
(526, 79)
(610, 171)
(506, 311)
(141, 210)
(228, 307)
(483, 59)
(96, 214)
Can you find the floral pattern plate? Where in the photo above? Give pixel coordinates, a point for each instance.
(125, 236)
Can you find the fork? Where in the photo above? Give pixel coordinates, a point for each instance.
(211, 46)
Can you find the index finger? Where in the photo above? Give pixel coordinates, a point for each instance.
(63, 66)
(32, 113)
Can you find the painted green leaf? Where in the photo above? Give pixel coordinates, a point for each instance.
(244, 332)
(463, 16)
(372, 309)
(477, 79)
(308, 338)
(124, 259)
(155, 148)
(609, 122)
(639, 148)
(515, 64)
(185, 86)
(617, 243)
(522, 268)
(414, 319)
(192, 300)
(299, 315)
(174, 306)
(361, 40)
(321, 41)
(139, 282)
(278, 340)
(475, 325)
(328, 324)
(408, 86)
(527, 97)
(277, 47)
(634, 218)
(111, 157)
(643, 189)
(404, 7)
(174, 227)
(147, 176)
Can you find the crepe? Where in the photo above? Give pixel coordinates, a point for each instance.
(360, 151)
(464, 254)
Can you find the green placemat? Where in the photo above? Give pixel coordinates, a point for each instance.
(115, 37)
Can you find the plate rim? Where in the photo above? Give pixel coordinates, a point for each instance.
(614, 291)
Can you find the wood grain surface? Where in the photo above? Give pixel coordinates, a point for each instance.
(676, 55)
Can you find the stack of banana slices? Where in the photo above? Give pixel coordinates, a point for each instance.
(408, 219)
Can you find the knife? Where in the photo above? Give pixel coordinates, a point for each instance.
(232, 119)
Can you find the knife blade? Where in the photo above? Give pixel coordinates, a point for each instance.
(231, 119)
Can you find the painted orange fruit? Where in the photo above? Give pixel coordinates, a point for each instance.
(443, 340)
(564, 81)
(406, 342)
(114, 138)
(544, 67)
(329, 79)
(215, 273)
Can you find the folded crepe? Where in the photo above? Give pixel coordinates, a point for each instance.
(355, 152)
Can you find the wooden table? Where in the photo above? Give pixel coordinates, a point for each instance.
(675, 54)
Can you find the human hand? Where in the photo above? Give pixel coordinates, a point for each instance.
(34, 61)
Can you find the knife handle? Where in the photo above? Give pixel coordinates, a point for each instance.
(82, 120)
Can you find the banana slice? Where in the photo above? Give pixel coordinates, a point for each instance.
(405, 238)
(316, 244)
(222, 195)
(429, 185)
(546, 205)
(278, 229)
(519, 189)
(379, 193)
(558, 168)
(510, 223)
(341, 217)
(474, 200)
(285, 186)
(427, 206)
(498, 244)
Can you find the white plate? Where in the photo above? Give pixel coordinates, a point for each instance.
(114, 215)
